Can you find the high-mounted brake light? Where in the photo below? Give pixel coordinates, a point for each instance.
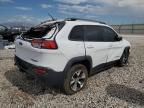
(44, 44)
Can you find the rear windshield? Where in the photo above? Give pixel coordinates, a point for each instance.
(43, 30)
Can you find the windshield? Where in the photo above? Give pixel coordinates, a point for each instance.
(43, 30)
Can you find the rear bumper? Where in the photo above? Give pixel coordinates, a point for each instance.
(50, 76)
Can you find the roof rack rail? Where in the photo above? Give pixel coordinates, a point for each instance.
(74, 19)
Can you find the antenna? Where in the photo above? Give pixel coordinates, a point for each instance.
(52, 19)
(51, 16)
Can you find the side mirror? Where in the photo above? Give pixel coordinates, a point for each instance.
(119, 38)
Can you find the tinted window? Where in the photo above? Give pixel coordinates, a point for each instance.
(109, 35)
(77, 33)
(93, 33)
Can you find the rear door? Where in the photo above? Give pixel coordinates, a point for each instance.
(95, 45)
(74, 45)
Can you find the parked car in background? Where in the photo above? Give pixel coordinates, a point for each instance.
(66, 52)
(10, 33)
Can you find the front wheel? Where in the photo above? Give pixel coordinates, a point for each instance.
(76, 79)
(124, 58)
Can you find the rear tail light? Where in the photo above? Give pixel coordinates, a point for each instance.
(44, 44)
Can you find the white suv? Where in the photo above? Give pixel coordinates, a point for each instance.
(66, 52)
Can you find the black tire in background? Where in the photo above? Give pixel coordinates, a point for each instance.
(77, 75)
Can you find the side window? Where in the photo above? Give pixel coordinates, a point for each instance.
(93, 33)
(109, 35)
(77, 33)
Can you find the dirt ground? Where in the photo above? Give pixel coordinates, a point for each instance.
(114, 88)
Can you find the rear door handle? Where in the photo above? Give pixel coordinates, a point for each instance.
(90, 47)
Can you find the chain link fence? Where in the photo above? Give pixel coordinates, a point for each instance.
(129, 28)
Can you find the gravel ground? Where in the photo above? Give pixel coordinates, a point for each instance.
(114, 88)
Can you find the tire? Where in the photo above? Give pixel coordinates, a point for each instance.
(124, 58)
(76, 79)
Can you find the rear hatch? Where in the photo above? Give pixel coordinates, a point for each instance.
(36, 44)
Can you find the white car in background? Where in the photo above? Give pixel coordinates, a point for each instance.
(66, 52)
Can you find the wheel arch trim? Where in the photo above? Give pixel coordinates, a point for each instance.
(77, 60)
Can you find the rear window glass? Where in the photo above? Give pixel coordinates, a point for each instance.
(77, 33)
(43, 30)
(93, 33)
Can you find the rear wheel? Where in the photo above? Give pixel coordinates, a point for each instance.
(76, 79)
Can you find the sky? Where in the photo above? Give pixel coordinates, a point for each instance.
(109, 11)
